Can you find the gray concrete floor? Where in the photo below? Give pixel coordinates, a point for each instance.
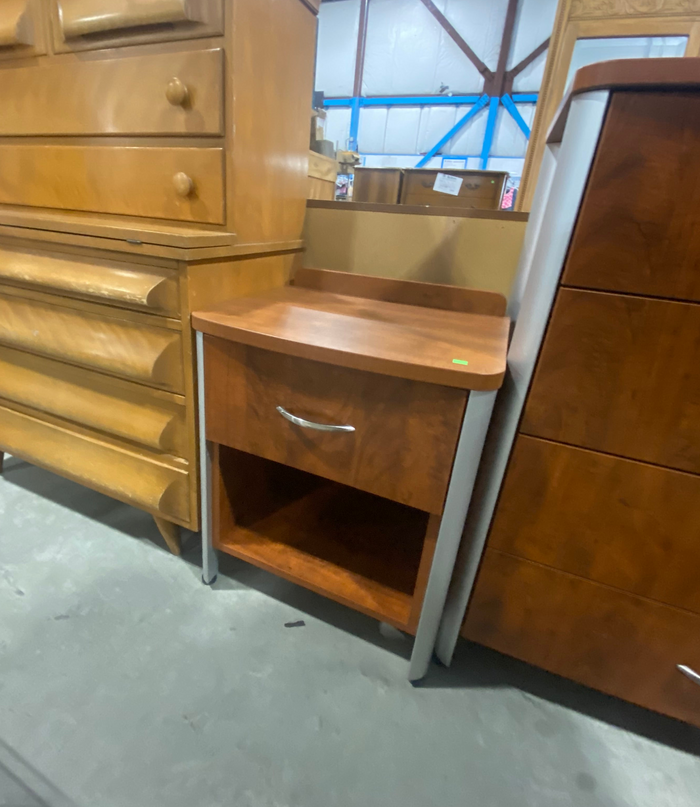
(124, 682)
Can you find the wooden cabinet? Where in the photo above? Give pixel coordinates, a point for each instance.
(593, 550)
(124, 200)
(377, 185)
(343, 456)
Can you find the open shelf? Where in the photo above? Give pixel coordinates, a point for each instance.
(359, 549)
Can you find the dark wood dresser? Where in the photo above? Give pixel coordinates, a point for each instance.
(592, 563)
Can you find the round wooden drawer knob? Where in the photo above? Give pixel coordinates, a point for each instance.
(184, 185)
(177, 93)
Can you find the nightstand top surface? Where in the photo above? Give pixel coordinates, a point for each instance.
(436, 346)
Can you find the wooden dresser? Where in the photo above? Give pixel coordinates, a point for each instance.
(593, 555)
(153, 158)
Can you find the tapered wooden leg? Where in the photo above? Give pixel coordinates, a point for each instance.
(170, 533)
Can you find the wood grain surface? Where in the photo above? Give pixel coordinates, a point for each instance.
(405, 432)
(632, 526)
(150, 355)
(268, 166)
(126, 180)
(131, 285)
(98, 98)
(121, 472)
(353, 547)
(608, 639)
(377, 185)
(89, 24)
(388, 338)
(639, 230)
(17, 24)
(622, 375)
(407, 292)
(130, 411)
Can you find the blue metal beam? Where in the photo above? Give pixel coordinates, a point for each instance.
(422, 100)
(461, 123)
(489, 133)
(507, 102)
(354, 123)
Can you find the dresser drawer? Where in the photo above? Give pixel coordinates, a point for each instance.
(124, 284)
(89, 24)
(184, 184)
(134, 477)
(639, 225)
(173, 93)
(122, 409)
(622, 523)
(405, 431)
(121, 347)
(479, 189)
(604, 638)
(622, 375)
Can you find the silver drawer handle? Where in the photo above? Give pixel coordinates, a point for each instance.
(694, 677)
(309, 424)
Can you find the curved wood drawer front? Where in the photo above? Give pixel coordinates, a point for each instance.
(120, 408)
(405, 431)
(127, 96)
(86, 24)
(622, 375)
(123, 473)
(139, 352)
(20, 29)
(122, 180)
(130, 285)
(602, 637)
(623, 523)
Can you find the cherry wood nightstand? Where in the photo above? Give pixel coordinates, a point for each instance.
(344, 419)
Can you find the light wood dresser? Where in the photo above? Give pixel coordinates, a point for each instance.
(593, 553)
(153, 158)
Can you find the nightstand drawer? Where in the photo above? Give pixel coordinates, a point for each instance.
(182, 184)
(130, 285)
(124, 347)
(170, 93)
(405, 432)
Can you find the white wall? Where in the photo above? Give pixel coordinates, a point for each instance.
(409, 53)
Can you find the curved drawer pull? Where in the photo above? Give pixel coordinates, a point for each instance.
(309, 424)
(177, 92)
(694, 677)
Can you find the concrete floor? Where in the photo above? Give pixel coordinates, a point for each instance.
(124, 682)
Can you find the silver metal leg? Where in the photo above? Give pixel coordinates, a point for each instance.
(471, 443)
(210, 563)
(547, 241)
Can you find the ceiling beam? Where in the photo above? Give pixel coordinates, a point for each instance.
(495, 85)
(361, 47)
(526, 62)
(458, 40)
